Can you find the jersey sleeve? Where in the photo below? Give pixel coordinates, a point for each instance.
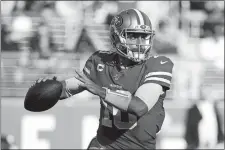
(89, 66)
(88, 70)
(159, 71)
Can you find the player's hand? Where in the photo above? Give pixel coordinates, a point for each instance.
(43, 80)
(90, 85)
(51, 77)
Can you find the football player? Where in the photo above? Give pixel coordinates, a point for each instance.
(130, 83)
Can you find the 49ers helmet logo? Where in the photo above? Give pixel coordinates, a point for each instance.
(143, 26)
(118, 20)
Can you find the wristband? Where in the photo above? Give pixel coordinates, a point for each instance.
(119, 98)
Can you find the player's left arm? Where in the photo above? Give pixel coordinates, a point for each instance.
(138, 104)
(156, 81)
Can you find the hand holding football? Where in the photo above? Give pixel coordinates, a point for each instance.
(43, 95)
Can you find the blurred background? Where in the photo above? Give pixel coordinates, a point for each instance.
(55, 37)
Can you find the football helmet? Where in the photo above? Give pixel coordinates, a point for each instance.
(132, 35)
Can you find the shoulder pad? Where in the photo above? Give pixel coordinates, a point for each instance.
(97, 57)
(159, 70)
(103, 56)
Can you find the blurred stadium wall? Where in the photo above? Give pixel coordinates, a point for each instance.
(47, 37)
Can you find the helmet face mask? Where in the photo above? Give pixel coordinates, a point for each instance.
(132, 38)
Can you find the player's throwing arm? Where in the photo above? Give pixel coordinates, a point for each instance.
(45, 92)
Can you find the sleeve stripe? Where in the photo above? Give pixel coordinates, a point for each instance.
(87, 70)
(161, 76)
(158, 73)
(158, 79)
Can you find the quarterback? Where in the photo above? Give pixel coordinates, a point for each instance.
(130, 82)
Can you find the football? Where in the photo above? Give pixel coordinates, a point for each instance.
(43, 95)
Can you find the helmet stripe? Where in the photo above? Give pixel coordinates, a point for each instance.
(140, 16)
(146, 20)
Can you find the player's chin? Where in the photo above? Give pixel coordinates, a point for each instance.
(137, 57)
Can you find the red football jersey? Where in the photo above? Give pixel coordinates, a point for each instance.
(101, 68)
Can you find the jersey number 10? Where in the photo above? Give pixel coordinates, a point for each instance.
(113, 116)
